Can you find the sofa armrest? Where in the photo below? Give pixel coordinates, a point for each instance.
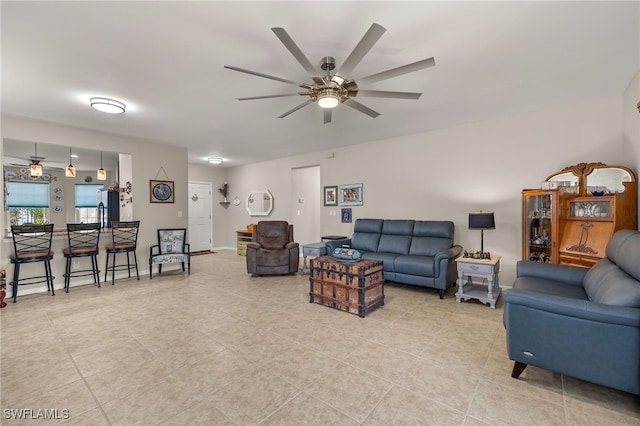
(254, 245)
(574, 308)
(334, 244)
(291, 245)
(450, 253)
(572, 275)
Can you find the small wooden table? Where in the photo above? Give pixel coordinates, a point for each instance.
(484, 268)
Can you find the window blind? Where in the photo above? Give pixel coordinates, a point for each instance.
(87, 194)
(28, 194)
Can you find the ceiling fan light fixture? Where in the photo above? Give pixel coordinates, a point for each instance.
(35, 169)
(328, 99)
(110, 106)
(101, 173)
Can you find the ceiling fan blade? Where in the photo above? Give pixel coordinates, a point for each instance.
(302, 105)
(327, 115)
(295, 50)
(370, 38)
(358, 106)
(405, 69)
(259, 74)
(267, 97)
(386, 94)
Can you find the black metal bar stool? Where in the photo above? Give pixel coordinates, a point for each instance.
(32, 243)
(124, 240)
(83, 242)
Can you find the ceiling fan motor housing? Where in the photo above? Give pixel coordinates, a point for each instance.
(328, 64)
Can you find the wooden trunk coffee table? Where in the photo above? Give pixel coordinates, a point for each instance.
(354, 287)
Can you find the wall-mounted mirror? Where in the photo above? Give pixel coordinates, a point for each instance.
(260, 203)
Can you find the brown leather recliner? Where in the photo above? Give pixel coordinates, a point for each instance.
(272, 250)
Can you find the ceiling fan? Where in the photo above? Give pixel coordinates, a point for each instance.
(334, 88)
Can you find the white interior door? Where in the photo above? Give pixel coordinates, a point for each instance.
(306, 204)
(200, 220)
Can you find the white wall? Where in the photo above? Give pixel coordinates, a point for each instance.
(445, 174)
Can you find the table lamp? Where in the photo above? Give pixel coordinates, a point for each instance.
(482, 221)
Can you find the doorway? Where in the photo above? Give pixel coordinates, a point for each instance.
(305, 204)
(200, 220)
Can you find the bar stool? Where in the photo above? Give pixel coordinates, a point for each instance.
(32, 243)
(83, 242)
(124, 240)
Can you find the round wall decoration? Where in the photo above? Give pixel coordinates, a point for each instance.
(161, 191)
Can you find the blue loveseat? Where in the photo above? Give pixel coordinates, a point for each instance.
(584, 323)
(413, 252)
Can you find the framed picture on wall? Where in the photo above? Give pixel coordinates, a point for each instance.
(346, 215)
(350, 195)
(161, 191)
(330, 195)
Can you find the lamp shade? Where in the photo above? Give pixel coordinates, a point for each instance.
(482, 220)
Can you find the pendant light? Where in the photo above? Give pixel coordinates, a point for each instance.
(36, 167)
(70, 171)
(102, 174)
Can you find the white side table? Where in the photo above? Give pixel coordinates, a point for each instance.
(483, 268)
(314, 249)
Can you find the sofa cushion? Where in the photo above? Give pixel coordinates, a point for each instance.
(398, 227)
(623, 249)
(364, 241)
(368, 225)
(386, 258)
(366, 234)
(396, 244)
(606, 283)
(431, 237)
(414, 265)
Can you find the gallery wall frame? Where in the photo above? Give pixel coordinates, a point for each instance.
(331, 195)
(351, 194)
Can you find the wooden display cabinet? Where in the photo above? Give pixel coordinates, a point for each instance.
(540, 225)
(573, 219)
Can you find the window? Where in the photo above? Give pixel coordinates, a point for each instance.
(27, 202)
(86, 202)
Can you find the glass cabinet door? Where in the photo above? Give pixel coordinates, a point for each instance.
(590, 208)
(539, 226)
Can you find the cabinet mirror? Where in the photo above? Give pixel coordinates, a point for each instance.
(608, 179)
(260, 203)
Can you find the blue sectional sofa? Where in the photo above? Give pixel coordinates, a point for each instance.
(413, 252)
(584, 323)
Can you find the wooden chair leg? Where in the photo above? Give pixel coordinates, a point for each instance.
(518, 368)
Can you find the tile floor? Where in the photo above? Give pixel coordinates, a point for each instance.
(222, 347)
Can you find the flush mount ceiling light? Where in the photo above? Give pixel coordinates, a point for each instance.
(215, 160)
(110, 106)
(102, 174)
(70, 171)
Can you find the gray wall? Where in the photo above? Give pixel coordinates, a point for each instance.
(439, 175)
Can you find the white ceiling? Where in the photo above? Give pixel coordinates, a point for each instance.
(165, 61)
